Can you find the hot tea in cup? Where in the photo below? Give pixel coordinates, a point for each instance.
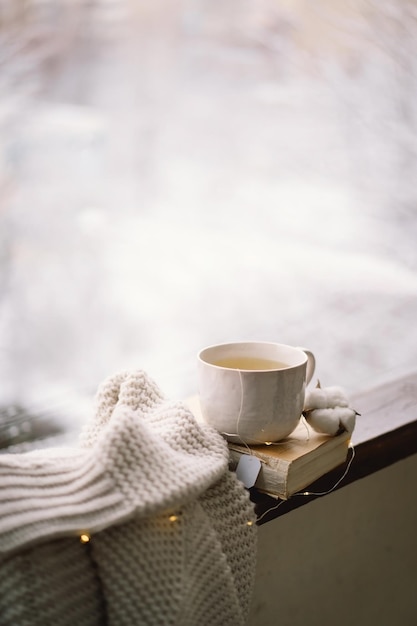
(253, 392)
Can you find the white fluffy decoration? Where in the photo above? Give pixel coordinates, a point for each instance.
(327, 411)
(325, 398)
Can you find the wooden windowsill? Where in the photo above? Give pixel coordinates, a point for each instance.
(385, 433)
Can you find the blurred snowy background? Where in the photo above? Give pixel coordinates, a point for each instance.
(178, 173)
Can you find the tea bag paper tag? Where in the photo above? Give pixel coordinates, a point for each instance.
(248, 469)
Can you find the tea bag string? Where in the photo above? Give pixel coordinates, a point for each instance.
(239, 415)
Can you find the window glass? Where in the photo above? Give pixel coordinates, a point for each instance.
(174, 175)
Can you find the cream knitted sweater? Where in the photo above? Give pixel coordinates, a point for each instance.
(166, 523)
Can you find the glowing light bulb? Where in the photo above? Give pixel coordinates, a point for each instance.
(173, 518)
(249, 523)
(85, 538)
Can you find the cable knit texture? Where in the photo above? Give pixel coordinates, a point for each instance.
(169, 542)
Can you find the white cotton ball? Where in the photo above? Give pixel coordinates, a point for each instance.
(323, 421)
(348, 419)
(324, 398)
(330, 421)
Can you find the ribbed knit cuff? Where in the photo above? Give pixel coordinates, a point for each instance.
(143, 455)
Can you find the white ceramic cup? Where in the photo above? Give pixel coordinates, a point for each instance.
(253, 392)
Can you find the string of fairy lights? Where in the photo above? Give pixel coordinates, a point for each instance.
(173, 518)
(85, 537)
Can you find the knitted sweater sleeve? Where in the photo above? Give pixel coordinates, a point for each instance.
(141, 457)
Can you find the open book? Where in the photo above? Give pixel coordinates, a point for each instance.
(292, 464)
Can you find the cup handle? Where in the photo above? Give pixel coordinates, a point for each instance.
(311, 364)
